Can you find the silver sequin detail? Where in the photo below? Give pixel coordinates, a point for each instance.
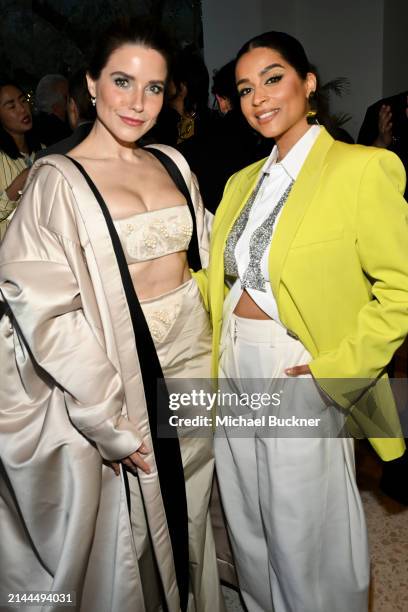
(230, 263)
(260, 239)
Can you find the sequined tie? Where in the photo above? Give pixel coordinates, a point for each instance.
(230, 263)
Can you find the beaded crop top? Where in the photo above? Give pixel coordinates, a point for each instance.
(155, 233)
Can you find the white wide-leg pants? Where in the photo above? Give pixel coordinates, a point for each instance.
(293, 509)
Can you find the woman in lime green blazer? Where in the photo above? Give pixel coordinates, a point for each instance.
(313, 243)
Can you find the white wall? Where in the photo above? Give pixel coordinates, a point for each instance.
(342, 38)
(345, 39)
(227, 24)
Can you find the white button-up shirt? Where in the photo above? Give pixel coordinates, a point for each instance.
(279, 176)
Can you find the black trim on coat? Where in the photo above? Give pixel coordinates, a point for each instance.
(193, 253)
(167, 450)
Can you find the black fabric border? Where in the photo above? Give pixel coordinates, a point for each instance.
(193, 253)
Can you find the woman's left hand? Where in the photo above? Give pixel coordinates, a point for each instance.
(298, 370)
(135, 460)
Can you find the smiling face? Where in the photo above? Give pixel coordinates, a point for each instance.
(15, 114)
(273, 96)
(129, 91)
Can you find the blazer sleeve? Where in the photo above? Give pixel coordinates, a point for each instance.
(382, 247)
(39, 284)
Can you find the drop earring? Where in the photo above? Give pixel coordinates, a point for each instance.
(312, 112)
(93, 100)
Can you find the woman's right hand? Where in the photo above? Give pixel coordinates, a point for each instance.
(17, 185)
(384, 137)
(134, 461)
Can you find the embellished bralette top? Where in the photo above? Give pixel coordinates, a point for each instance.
(155, 233)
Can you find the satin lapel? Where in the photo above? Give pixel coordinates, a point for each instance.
(106, 260)
(95, 225)
(296, 206)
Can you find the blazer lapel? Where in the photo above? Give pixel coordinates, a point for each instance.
(296, 206)
(228, 210)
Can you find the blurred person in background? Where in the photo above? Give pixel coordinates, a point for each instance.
(187, 122)
(186, 114)
(18, 145)
(50, 103)
(235, 143)
(81, 115)
(385, 125)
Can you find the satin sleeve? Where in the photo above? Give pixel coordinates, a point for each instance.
(39, 284)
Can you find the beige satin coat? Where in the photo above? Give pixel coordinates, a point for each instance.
(71, 394)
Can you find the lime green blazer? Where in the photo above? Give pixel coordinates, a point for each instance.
(338, 266)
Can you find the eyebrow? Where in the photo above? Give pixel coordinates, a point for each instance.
(11, 100)
(124, 74)
(263, 71)
(131, 78)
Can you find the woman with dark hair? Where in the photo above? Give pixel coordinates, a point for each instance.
(98, 495)
(314, 247)
(189, 124)
(188, 93)
(18, 145)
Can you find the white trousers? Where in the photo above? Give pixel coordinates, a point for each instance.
(293, 509)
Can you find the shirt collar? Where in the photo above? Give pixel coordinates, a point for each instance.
(294, 159)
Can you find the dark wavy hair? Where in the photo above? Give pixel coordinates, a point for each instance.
(78, 91)
(130, 31)
(288, 46)
(7, 144)
(190, 70)
(224, 83)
